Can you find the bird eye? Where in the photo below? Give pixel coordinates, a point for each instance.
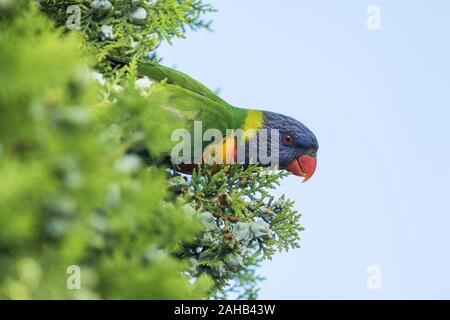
(287, 139)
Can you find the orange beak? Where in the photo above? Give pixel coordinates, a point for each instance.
(304, 166)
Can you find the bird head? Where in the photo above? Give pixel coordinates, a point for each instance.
(298, 146)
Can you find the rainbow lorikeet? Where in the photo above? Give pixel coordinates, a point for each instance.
(192, 101)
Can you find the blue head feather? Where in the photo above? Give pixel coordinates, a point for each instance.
(304, 141)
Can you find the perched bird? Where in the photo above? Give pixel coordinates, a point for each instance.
(190, 100)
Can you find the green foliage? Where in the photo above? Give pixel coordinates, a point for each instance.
(243, 224)
(129, 28)
(71, 195)
(68, 194)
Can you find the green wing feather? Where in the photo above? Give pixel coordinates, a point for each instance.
(189, 100)
(160, 73)
(190, 106)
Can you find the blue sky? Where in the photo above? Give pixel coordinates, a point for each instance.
(379, 103)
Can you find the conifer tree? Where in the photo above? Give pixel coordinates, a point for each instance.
(82, 218)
